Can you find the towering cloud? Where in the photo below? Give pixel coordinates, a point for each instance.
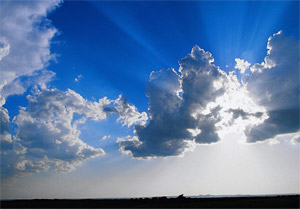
(192, 106)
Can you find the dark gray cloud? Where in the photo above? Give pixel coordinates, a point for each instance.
(274, 84)
(244, 115)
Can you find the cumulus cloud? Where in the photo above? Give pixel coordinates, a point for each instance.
(192, 106)
(274, 84)
(201, 103)
(242, 65)
(47, 135)
(26, 37)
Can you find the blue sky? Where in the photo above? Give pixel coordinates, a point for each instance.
(65, 65)
(132, 39)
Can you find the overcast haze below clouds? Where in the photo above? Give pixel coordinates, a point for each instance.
(259, 172)
(69, 113)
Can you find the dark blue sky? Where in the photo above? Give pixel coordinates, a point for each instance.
(115, 45)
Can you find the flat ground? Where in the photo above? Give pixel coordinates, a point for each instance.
(291, 201)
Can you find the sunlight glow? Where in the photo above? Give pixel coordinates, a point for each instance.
(236, 98)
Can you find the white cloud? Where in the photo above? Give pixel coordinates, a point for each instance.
(242, 65)
(78, 78)
(128, 114)
(20, 84)
(106, 137)
(5, 136)
(4, 49)
(26, 37)
(296, 138)
(47, 136)
(47, 132)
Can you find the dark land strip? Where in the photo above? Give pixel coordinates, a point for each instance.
(286, 201)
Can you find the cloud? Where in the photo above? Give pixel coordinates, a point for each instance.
(78, 78)
(274, 84)
(4, 49)
(198, 104)
(24, 53)
(128, 114)
(296, 138)
(191, 107)
(4, 127)
(22, 83)
(47, 136)
(26, 37)
(201, 103)
(242, 65)
(106, 137)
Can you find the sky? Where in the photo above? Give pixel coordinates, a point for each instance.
(112, 99)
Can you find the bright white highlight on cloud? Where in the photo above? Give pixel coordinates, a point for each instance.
(242, 65)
